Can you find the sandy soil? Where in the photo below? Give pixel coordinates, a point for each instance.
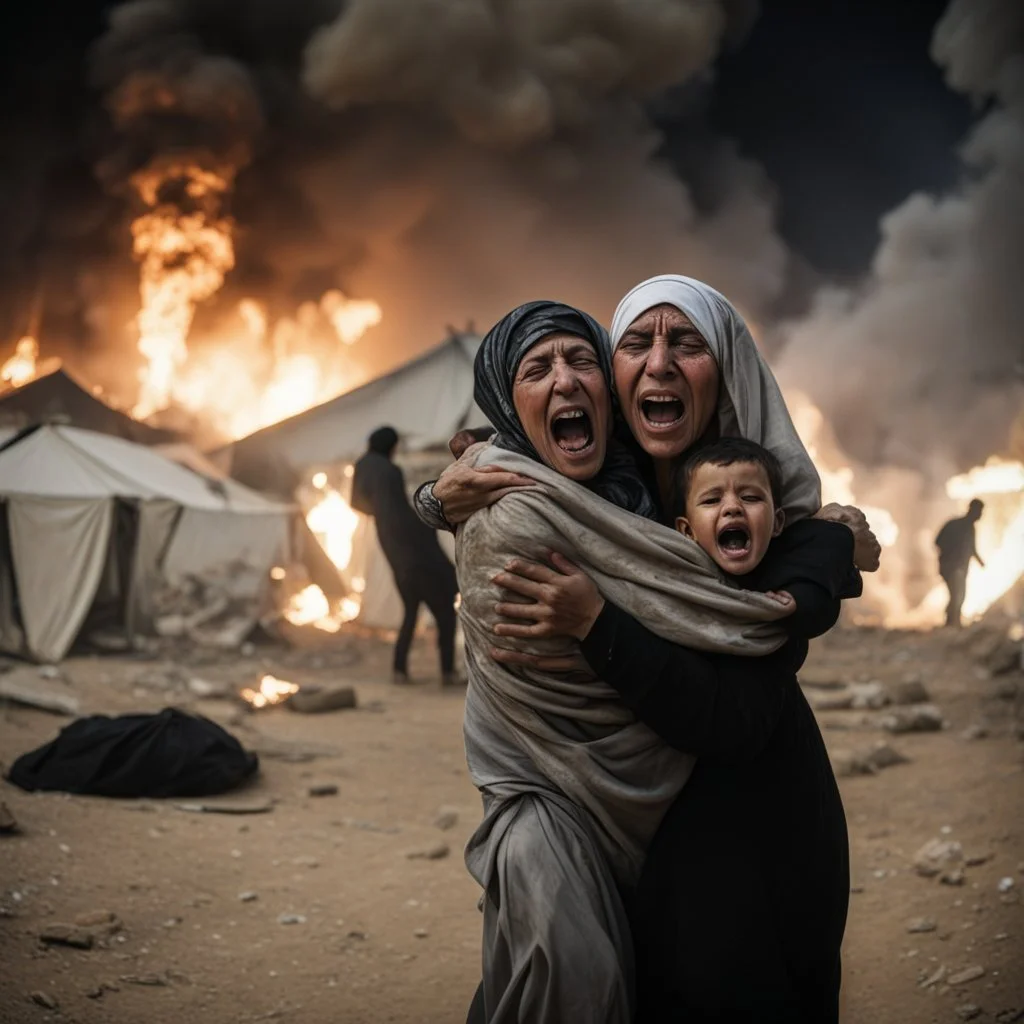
(382, 937)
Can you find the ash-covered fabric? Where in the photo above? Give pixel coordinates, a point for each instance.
(494, 371)
(750, 403)
(574, 787)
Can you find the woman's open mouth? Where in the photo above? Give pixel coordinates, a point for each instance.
(572, 431)
(661, 411)
(734, 541)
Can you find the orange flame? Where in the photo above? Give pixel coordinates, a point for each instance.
(183, 258)
(271, 691)
(333, 522)
(22, 366)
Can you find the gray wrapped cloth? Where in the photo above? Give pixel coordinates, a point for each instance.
(574, 787)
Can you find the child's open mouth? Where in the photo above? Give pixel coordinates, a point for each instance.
(734, 542)
(572, 431)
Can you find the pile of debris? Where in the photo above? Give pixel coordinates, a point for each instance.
(216, 609)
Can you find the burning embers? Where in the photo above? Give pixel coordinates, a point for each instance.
(271, 690)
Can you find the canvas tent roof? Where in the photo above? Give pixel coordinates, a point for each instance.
(57, 397)
(66, 462)
(426, 401)
(65, 525)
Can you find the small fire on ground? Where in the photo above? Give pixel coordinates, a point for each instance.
(270, 691)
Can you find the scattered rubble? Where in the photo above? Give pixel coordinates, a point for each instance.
(918, 718)
(869, 761)
(22, 687)
(312, 700)
(447, 818)
(323, 789)
(45, 1000)
(921, 926)
(8, 823)
(968, 1011)
(968, 974)
(291, 919)
(936, 856)
(67, 935)
(438, 851)
(975, 732)
(910, 691)
(261, 807)
(248, 896)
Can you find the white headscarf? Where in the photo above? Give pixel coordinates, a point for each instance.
(751, 404)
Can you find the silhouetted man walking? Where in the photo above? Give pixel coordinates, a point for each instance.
(957, 546)
(422, 571)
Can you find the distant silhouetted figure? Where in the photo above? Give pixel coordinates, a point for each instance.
(422, 571)
(957, 547)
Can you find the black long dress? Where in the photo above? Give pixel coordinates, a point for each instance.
(740, 911)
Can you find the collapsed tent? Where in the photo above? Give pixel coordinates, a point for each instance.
(87, 519)
(56, 397)
(427, 401)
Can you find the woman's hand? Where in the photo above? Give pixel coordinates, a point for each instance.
(783, 597)
(564, 600)
(463, 489)
(866, 549)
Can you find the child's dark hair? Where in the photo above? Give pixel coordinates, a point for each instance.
(725, 452)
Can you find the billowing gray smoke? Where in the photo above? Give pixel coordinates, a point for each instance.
(923, 365)
(448, 158)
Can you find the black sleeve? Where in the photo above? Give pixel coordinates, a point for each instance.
(712, 705)
(813, 560)
(816, 611)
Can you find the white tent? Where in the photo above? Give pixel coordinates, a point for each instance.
(87, 516)
(427, 401)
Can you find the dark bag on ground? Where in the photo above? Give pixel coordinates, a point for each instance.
(167, 754)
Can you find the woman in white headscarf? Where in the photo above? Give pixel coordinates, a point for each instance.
(712, 940)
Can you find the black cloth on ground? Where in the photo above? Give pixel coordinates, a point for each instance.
(157, 755)
(740, 911)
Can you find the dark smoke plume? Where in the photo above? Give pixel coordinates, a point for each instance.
(448, 158)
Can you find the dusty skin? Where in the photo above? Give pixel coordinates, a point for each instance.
(378, 936)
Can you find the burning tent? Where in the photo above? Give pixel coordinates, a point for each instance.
(56, 397)
(88, 519)
(426, 401)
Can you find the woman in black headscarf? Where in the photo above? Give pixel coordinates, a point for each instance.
(523, 404)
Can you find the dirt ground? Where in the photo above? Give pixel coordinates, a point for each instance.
(378, 936)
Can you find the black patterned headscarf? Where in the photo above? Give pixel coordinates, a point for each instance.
(494, 372)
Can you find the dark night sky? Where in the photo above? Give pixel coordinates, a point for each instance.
(839, 102)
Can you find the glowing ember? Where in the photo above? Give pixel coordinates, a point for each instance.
(21, 367)
(271, 691)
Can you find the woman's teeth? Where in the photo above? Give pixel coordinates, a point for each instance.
(662, 409)
(572, 431)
